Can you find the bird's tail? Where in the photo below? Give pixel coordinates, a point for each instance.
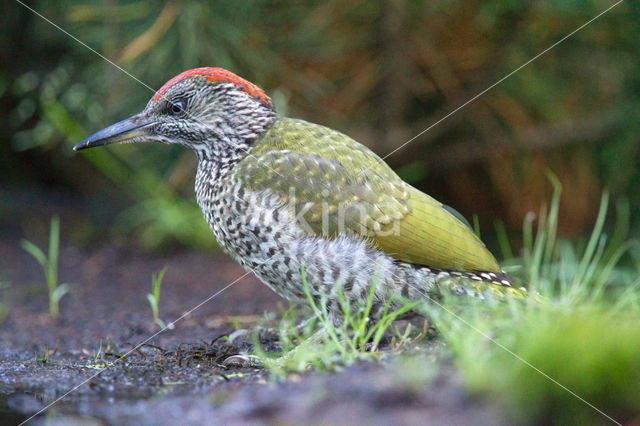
(475, 283)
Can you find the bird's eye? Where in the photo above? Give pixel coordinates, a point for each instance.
(177, 107)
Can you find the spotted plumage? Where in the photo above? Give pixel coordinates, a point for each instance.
(293, 201)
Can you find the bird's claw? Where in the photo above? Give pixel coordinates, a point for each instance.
(246, 361)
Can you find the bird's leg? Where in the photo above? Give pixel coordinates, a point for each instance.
(260, 333)
(269, 333)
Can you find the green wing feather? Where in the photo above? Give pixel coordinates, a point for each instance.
(326, 174)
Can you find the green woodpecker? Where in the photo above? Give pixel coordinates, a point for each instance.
(301, 204)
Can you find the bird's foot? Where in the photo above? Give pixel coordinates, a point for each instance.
(243, 361)
(280, 363)
(245, 338)
(252, 361)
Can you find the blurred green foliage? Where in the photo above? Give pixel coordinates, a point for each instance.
(592, 354)
(569, 354)
(379, 71)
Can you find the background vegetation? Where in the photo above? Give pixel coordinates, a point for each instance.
(378, 71)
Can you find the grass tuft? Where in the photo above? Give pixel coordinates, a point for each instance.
(154, 296)
(571, 358)
(49, 263)
(326, 345)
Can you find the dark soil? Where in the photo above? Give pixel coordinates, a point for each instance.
(177, 377)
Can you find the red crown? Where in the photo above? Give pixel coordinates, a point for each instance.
(215, 75)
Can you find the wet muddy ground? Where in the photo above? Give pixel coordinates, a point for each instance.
(178, 377)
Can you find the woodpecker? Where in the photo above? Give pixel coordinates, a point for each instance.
(300, 204)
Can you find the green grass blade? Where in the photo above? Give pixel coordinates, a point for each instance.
(35, 251)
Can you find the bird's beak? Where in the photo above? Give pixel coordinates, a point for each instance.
(122, 131)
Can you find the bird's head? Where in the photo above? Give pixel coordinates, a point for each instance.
(209, 110)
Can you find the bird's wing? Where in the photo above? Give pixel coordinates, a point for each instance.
(333, 184)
